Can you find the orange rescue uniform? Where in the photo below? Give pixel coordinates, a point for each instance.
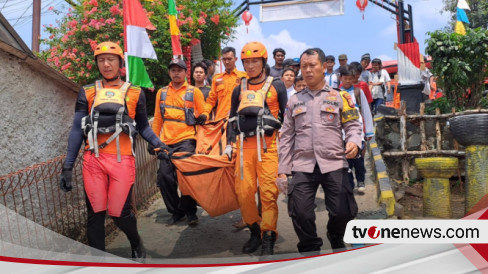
(265, 171)
(221, 92)
(172, 132)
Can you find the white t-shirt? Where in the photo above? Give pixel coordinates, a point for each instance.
(383, 77)
(331, 79)
(290, 91)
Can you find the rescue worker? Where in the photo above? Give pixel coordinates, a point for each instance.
(180, 108)
(255, 114)
(223, 84)
(109, 170)
(311, 147)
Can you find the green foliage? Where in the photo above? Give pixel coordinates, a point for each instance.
(478, 15)
(484, 102)
(442, 103)
(89, 22)
(460, 61)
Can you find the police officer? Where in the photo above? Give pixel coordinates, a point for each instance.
(312, 149)
(255, 114)
(109, 169)
(180, 108)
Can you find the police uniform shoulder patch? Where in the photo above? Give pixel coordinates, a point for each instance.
(349, 110)
(348, 98)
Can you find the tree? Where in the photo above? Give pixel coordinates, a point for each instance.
(461, 63)
(89, 22)
(478, 15)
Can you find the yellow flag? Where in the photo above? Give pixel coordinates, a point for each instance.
(460, 28)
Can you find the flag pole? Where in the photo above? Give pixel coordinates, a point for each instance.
(126, 58)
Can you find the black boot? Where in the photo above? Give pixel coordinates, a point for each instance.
(255, 241)
(336, 241)
(269, 239)
(139, 252)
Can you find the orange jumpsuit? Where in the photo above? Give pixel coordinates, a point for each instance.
(221, 92)
(265, 171)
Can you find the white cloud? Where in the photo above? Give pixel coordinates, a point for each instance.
(283, 39)
(385, 57)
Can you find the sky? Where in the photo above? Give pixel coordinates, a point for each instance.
(335, 35)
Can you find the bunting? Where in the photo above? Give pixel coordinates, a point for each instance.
(461, 17)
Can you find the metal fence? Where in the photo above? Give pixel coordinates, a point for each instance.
(34, 193)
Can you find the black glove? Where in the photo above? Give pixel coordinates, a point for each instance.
(201, 119)
(164, 152)
(150, 149)
(65, 179)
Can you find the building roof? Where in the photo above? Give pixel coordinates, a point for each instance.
(11, 43)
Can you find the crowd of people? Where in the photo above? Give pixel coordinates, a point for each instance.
(299, 121)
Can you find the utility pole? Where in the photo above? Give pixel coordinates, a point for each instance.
(36, 24)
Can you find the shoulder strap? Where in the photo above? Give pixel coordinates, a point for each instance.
(243, 84)
(98, 85)
(164, 92)
(357, 95)
(189, 98)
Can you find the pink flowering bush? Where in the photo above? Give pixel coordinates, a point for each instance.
(70, 44)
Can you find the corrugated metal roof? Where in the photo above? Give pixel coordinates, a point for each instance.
(9, 36)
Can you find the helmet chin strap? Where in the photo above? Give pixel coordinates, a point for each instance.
(112, 79)
(257, 77)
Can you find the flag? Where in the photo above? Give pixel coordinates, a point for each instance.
(136, 43)
(461, 17)
(174, 30)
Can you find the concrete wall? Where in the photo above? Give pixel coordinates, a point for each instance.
(36, 113)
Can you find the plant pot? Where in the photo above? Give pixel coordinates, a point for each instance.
(437, 167)
(470, 129)
(437, 190)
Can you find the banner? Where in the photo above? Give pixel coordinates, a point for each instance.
(300, 9)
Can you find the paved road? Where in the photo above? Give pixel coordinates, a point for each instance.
(215, 237)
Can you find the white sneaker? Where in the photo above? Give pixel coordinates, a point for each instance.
(361, 187)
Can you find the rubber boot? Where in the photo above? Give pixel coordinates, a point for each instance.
(336, 241)
(269, 239)
(255, 241)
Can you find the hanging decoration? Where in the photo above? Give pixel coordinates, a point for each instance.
(362, 4)
(247, 17)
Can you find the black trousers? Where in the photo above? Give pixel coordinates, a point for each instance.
(339, 201)
(168, 183)
(127, 222)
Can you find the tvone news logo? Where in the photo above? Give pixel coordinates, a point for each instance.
(417, 231)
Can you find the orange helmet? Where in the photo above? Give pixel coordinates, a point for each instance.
(254, 50)
(109, 47)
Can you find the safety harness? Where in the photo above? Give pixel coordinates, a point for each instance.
(253, 106)
(188, 109)
(109, 114)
